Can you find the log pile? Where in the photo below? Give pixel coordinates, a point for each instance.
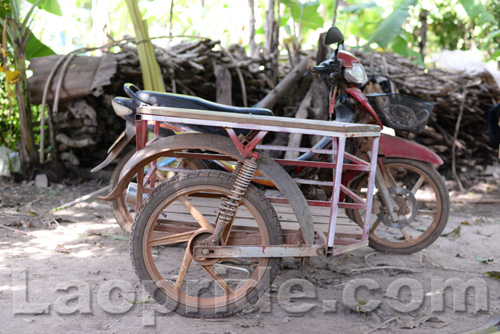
(454, 95)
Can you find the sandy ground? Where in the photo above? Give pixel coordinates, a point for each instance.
(70, 272)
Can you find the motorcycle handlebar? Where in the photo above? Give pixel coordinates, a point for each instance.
(321, 68)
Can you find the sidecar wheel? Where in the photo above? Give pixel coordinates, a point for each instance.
(177, 215)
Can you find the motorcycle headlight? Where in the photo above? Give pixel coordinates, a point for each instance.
(356, 74)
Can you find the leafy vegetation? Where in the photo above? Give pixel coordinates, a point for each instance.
(15, 38)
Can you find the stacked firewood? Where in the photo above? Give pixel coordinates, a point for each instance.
(87, 126)
(205, 69)
(458, 98)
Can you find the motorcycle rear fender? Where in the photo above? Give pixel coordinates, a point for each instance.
(118, 146)
(223, 145)
(397, 147)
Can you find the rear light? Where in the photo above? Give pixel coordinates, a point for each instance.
(120, 109)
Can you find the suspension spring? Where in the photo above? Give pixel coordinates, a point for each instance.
(229, 204)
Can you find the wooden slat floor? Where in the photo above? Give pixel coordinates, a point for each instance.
(209, 207)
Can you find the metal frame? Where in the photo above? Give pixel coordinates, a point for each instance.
(247, 145)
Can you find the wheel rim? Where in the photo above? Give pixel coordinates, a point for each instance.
(183, 280)
(430, 206)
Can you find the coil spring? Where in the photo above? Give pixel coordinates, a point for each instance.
(230, 204)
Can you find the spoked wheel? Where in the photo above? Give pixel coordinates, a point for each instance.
(124, 212)
(422, 207)
(178, 215)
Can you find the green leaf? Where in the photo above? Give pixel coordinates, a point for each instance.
(283, 20)
(400, 46)
(475, 9)
(358, 7)
(306, 14)
(492, 35)
(495, 56)
(478, 259)
(35, 48)
(329, 6)
(493, 274)
(390, 27)
(51, 6)
(472, 7)
(4, 10)
(453, 234)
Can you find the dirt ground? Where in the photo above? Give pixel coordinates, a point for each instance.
(70, 272)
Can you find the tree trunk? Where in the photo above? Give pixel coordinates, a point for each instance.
(252, 44)
(28, 151)
(335, 10)
(322, 49)
(423, 32)
(271, 32)
(269, 27)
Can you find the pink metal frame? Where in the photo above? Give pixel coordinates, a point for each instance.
(247, 145)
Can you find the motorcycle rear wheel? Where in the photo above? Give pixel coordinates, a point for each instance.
(124, 213)
(431, 194)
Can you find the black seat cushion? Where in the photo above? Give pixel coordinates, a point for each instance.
(191, 102)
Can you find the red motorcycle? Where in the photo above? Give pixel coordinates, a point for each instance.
(411, 202)
(411, 206)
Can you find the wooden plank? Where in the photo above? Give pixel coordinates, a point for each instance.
(321, 216)
(213, 204)
(209, 208)
(346, 227)
(258, 119)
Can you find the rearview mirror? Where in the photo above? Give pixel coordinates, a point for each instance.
(333, 35)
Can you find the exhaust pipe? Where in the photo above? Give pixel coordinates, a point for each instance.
(131, 195)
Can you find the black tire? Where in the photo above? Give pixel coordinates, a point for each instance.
(124, 213)
(434, 201)
(153, 264)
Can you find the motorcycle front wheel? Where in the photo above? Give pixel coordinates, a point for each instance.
(422, 207)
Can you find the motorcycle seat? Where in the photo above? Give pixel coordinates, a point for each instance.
(192, 102)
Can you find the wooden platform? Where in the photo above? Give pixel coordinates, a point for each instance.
(209, 207)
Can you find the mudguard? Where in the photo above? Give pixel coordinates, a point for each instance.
(361, 98)
(123, 140)
(223, 145)
(397, 147)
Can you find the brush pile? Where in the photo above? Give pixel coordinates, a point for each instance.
(205, 69)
